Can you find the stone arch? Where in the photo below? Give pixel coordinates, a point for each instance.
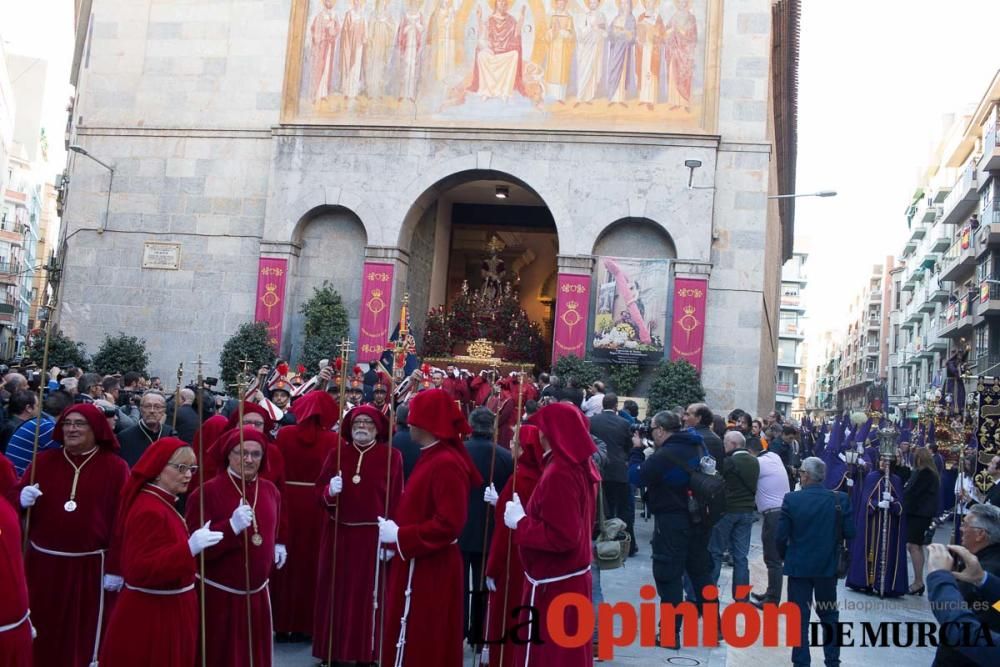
(331, 242)
(635, 237)
(290, 220)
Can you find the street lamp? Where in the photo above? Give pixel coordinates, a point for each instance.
(111, 179)
(821, 193)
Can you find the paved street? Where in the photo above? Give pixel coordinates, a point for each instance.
(623, 585)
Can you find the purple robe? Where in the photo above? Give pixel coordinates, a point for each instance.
(870, 540)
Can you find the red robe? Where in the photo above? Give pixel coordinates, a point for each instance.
(431, 516)
(505, 408)
(357, 544)
(554, 539)
(458, 389)
(226, 612)
(496, 568)
(146, 628)
(304, 448)
(15, 644)
(480, 390)
(8, 478)
(66, 592)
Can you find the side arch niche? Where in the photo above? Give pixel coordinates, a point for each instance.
(640, 238)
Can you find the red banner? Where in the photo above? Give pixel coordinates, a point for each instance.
(572, 310)
(376, 295)
(984, 292)
(271, 277)
(687, 336)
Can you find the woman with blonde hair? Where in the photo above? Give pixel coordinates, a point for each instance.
(920, 500)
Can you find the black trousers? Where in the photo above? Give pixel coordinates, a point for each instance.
(475, 598)
(618, 505)
(679, 547)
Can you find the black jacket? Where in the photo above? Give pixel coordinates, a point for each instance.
(714, 444)
(920, 495)
(617, 435)
(409, 450)
(7, 430)
(187, 422)
(482, 451)
(136, 440)
(989, 558)
(667, 483)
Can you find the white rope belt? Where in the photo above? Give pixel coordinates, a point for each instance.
(288, 483)
(355, 524)
(154, 591)
(234, 591)
(100, 587)
(401, 643)
(535, 583)
(13, 626)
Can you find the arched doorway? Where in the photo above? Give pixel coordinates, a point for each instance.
(640, 238)
(449, 231)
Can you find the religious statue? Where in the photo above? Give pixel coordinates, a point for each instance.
(498, 68)
(492, 271)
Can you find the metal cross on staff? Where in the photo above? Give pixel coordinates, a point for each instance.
(345, 355)
(200, 397)
(241, 380)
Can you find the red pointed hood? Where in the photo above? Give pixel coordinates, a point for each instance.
(567, 431)
(435, 411)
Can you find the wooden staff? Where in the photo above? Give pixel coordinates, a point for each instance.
(486, 529)
(515, 447)
(345, 355)
(38, 423)
(240, 384)
(200, 379)
(177, 396)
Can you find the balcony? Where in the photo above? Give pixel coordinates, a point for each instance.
(941, 237)
(875, 297)
(989, 298)
(958, 262)
(790, 330)
(962, 199)
(792, 302)
(787, 389)
(990, 160)
(8, 310)
(989, 230)
(959, 318)
(918, 229)
(873, 350)
(927, 212)
(988, 364)
(874, 322)
(9, 272)
(936, 293)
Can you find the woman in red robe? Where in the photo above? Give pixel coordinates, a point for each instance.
(249, 525)
(428, 624)
(304, 447)
(553, 533)
(366, 457)
(70, 536)
(529, 469)
(15, 629)
(155, 621)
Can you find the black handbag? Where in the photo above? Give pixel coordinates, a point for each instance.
(708, 492)
(843, 555)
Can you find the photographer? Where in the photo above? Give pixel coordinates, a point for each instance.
(680, 537)
(945, 579)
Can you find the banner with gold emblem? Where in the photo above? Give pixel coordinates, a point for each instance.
(376, 295)
(687, 338)
(572, 309)
(272, 273)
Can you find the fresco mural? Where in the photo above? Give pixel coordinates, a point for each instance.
(585, 64)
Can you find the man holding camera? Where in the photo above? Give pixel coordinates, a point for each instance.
(680, 535)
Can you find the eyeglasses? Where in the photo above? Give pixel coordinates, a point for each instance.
(253, 422)
(183, 468)
(247, 454)
(73, 423)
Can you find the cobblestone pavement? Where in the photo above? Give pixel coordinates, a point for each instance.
(623, 586)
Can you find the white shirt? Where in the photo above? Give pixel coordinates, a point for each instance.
(593, 405)
(772, 485)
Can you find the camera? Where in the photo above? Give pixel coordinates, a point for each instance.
(643, 428)
(109, 412)
(211, 382)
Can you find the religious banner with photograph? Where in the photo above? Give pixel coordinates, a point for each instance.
(572, 310)
(376, 295)
(687, 338)
(630, 315)
(272, 273)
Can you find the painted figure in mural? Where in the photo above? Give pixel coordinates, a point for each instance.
(444, 37)
(561, 40)
(647, 53)
(378, 51)
(408, 41)
(352, 44)
(681, 38)
(323, 40)
(591, 44)
(497, 71)
(621, 54)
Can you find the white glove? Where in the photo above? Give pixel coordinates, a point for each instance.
(513, 512)
(386, 555)
(490, 495)
(113, 583)
(883, 504)
(242, 518)
(388, 530)
(336, 485)
(203, 538)
(491, 584)
(29, 495)
(886, 496)
(280, 555)
(850, 482)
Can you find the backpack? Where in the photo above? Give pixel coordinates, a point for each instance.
(706, 495)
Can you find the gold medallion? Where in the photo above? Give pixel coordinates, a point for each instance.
(356, 479)
(70, 506)
(257, 539)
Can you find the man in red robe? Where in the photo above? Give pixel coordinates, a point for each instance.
(244, 507)
(504, 405)
(304, 448)
(155, 621)
(73, 495)
(553, 533)
(370, 473)
(503, 579)
(424, 597)
(15, 629)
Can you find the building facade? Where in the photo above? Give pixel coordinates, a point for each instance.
(946, 296)
(259, 152)
(791, 336)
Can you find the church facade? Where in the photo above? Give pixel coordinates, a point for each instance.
(261, 148)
